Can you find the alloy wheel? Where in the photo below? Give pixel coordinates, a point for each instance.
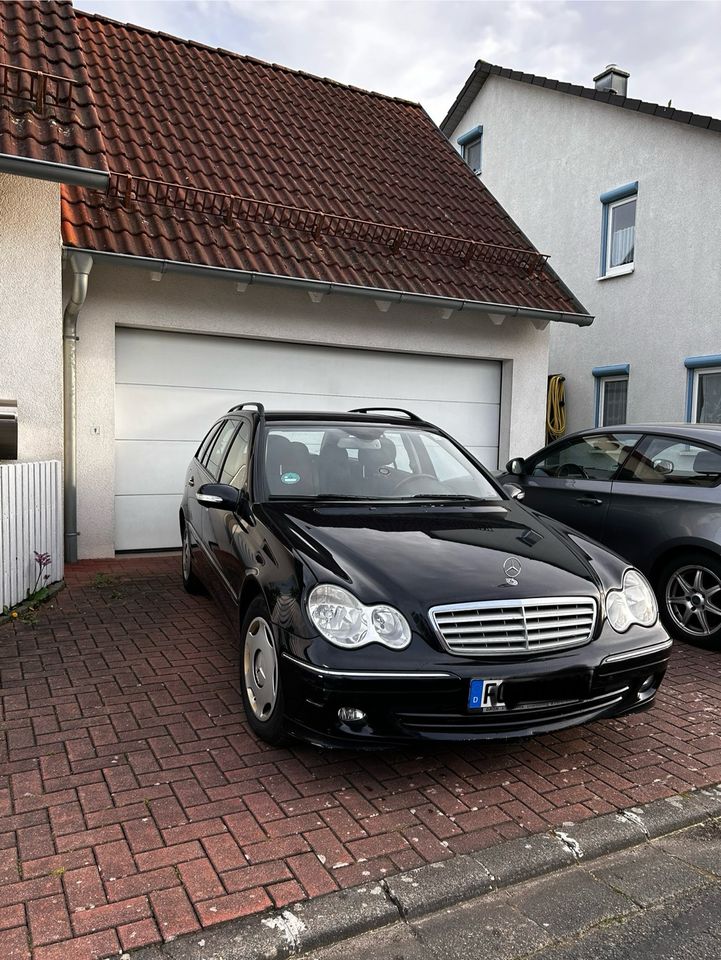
(693, 599)
(260, 669)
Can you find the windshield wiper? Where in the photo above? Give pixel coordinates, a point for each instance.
(450, 496)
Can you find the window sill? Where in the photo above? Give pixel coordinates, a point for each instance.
(618, 272)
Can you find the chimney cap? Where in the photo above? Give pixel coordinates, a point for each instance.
(612, 68)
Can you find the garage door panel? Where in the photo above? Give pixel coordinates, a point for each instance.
(168, 413)
(141, 468)
(171, 387)
(163, 359)
(147, 522)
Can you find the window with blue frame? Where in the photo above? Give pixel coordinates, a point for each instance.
(618, 230)
(703, 391)
(471, 144)
(611, 394)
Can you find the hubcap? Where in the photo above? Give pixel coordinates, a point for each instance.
(693, 598)
(186, 554)
(260, 669)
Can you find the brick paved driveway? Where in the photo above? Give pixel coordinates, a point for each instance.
(135, 805)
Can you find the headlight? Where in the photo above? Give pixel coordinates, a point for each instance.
(633, 603)
(346, 622)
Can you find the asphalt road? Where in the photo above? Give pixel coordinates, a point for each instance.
(660, 901)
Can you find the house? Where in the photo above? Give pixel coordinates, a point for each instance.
(627, 195)
(183, 228)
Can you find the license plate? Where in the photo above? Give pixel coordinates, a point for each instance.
(486, 695)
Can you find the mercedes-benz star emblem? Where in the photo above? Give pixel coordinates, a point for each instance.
(511, 568)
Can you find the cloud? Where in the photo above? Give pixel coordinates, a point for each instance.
(424, 51)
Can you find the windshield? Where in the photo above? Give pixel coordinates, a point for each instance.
(358, 462)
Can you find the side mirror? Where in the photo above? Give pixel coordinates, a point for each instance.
(664, 467)
(517, 466)
(514, 491)
(218, 496)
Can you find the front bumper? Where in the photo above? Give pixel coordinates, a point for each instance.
(542, 694)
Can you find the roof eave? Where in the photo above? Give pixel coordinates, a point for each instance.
(465, 98)
(327, 287)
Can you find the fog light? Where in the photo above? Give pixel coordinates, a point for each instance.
(351, 715)
(647, 683)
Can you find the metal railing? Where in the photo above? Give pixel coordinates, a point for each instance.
(230, 208)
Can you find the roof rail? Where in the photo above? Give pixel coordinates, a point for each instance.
(407, 413)
(249, 403)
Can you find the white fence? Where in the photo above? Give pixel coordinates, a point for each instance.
(31, 519)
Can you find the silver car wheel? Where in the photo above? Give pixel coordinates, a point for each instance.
(693, 598)
(260, 669)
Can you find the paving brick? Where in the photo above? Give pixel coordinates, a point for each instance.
(12, 916)
(125, 888)
(93, 947)
(111, 915)
(200, 880)
(48, 919)
(275, 849)
(141, 934)
(233, 906)
(173, 912)
(115, 859)
(14, 944)
(167, 856)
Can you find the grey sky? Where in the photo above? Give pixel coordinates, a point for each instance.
(425, 50)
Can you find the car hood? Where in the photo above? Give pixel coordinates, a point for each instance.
(432, 554)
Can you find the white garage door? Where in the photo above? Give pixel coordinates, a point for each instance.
(170, 387)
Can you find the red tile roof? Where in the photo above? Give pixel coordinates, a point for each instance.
(51, 117)
(192, 116)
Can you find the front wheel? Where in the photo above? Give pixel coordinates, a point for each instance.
(190, 581)
(260, 682)
(690, 597)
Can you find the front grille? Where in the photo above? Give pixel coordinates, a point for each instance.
(515, 626)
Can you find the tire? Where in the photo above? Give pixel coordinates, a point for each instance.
(689, 597)
(190, 581)
(260, 681)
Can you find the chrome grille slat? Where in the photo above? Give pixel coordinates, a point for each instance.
(515, 626)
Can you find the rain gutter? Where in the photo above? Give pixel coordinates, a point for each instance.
(320, 286)
(56, 172)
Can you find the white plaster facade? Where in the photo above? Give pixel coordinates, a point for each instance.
(119, 295)
(31, 343)
(548, 157)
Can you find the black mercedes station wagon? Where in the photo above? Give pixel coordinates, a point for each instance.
(386, 589)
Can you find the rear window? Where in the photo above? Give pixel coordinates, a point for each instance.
(668, 461)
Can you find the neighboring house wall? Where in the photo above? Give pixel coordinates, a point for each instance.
(31, 344)
(123, 296)
(548, 157)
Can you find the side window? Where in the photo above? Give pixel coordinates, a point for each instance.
(595, 457)
(218, 448)
(668, 460)
(235, 468)
(203, 448)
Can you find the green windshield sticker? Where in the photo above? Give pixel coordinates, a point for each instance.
(290, 477)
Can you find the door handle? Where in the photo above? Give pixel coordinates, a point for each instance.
(191, 482)
(589, 501)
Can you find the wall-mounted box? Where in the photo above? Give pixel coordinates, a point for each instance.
(8, 430)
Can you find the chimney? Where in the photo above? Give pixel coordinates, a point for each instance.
(613, 79)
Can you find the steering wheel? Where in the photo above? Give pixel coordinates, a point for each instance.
(406, 481)
(572, 470)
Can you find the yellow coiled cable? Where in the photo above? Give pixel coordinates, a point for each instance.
(555, 408)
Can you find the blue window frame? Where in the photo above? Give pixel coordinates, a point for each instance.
(703, 389)
(471, 144)
(618, 230)
(611, 394)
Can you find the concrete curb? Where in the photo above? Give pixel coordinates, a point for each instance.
(335, 917)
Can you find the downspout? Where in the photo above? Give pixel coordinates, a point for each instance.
(81, 265)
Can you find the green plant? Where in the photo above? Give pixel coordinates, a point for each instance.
(38, 592)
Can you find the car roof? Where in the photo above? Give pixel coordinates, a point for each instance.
(700, 431)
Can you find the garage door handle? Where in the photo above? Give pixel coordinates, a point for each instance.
(191, 482)
(589, 501)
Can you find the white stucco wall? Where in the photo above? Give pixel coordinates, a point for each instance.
(548, 157)
(31, 345)
(123, 296)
